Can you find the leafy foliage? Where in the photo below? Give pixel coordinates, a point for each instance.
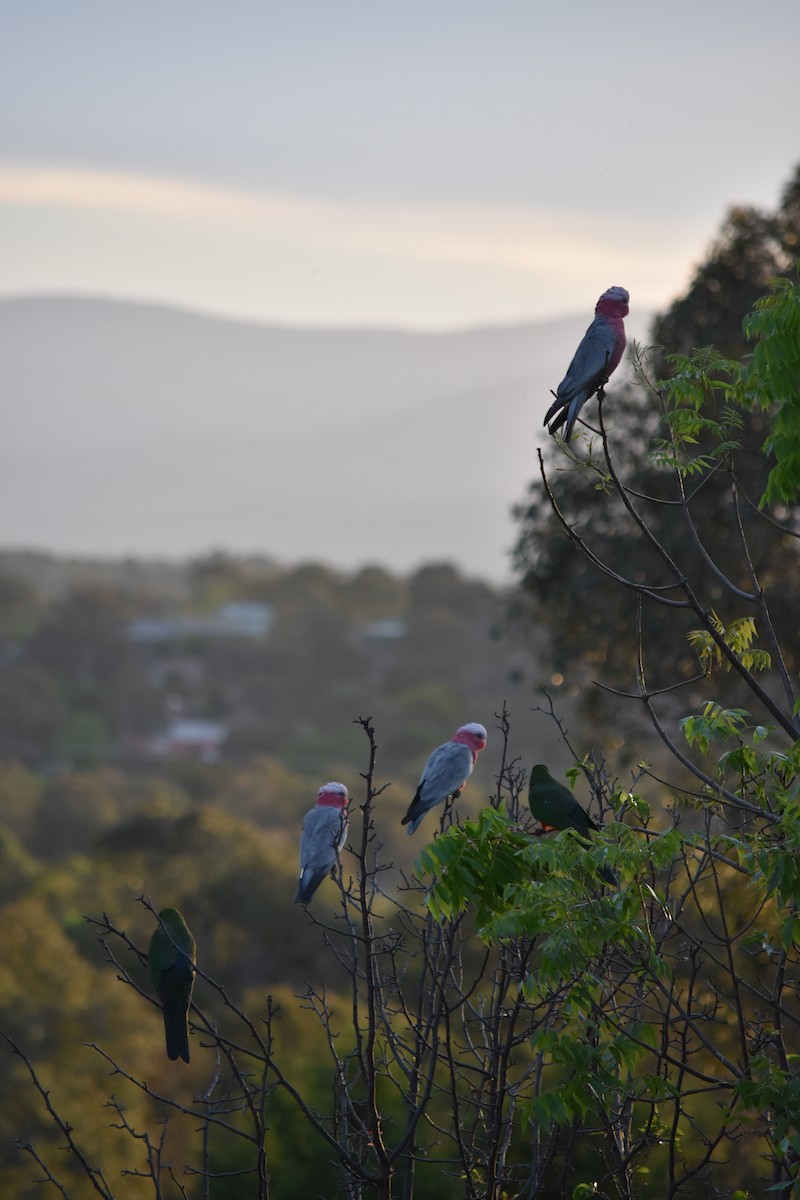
(738, 636)
(774, 380)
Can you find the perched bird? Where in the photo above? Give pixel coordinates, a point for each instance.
(324, 834)
(598, 355)
(446, 771)
(170, 959)
(555, 807)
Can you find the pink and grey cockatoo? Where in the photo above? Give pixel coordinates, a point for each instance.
(598, 355)
(446, 771)
(324, 835)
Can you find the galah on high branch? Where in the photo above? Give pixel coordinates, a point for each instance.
(446, 771)
(598, 355)
(324, 835)
(555, 807)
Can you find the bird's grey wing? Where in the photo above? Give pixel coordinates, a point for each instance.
(583, 375)
(322, 835)
(589, 361)
(446, 770)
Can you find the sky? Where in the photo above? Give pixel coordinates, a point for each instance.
(433, 164)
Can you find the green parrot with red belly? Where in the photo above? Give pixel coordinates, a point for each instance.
(555, 807)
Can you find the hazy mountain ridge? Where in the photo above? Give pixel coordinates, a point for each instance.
(141, 429)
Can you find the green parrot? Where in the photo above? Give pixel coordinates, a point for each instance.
(171, 957)
(555, 807)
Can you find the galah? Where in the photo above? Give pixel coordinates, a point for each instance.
(446, 771)
(171, 958)
(598, 355)
(324, 835)
(555, 807)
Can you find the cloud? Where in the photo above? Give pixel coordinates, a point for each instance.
(572, 247)
(84, 188)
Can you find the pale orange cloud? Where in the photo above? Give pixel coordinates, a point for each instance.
(514, 239)
(429, 263)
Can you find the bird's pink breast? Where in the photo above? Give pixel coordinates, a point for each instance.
(612, 311)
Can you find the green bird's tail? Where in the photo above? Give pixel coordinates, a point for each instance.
(177, 1033)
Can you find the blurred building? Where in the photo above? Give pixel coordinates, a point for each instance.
(236, 618)
(190, 738)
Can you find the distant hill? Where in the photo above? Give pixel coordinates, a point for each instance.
(135, 429)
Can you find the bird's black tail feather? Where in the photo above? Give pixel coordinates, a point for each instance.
(177, 1034)
(411, 814)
